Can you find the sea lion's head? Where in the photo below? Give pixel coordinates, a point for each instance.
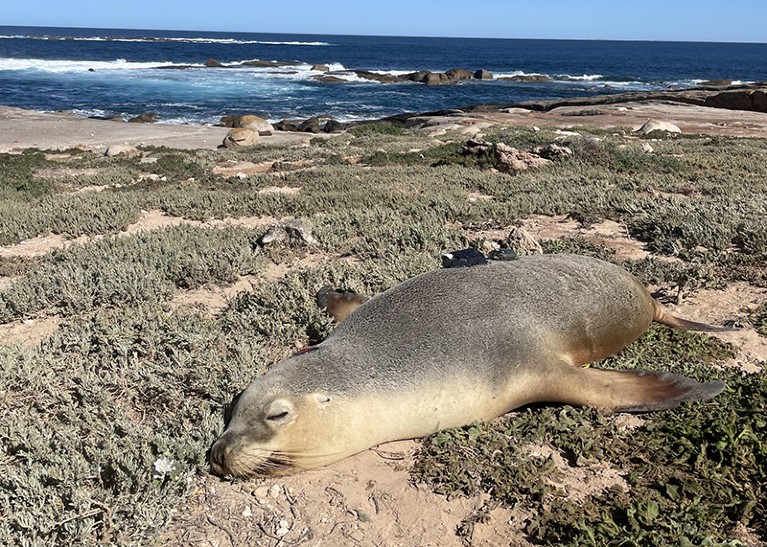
(280, 425)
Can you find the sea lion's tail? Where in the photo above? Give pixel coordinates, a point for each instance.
(631, 390)
(664, 317)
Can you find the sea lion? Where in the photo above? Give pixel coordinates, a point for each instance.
(447, 348)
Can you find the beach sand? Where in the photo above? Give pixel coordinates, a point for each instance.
(20, 129)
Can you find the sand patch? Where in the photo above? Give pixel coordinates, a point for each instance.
(287, 190)
(6, 282)
(473, 197)
(29, 332)
(155, 220)
(69, 172)
(717, 306)
(579, 483)
(233, 168)
(364, 500)
(40, 245)
(148, 221)
(609, 233)
(213, 298)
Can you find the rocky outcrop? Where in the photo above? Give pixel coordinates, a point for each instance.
(506, 158)
(459, 74)
(212, 63)
(526, 78)
(326, 79)
(421, 76)
(240, 137)
(746, 97)
(552, 151)
(296, 231)
(317, 124)
(483, 74)
(320, 68)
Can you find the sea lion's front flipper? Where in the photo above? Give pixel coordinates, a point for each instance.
(629, 390)
(338, 304)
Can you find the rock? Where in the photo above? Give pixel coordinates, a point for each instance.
(287, 125)
(433, 78)
(254, 123)
(228, 121)
(297, 230)
(334, 126)
(312, 125)
(552, 151)
(419, 76)
(122, 150)
(382, 78)
(483, 74)
(212, 63)
(149, 117)
(733, 100)
(459, 74)
(512, 160)
(240, 137)
(507, 159)
(527, 78)
(320, 68)
(522, 243)
(759, 100)
(647, 148)
(329, 79)
(658, 125)
(584, 112)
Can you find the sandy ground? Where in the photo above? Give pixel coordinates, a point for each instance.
(368, 500)
(21, 129)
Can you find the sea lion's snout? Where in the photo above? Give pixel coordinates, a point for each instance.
(228, 456)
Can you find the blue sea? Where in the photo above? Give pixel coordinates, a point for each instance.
(108, 72)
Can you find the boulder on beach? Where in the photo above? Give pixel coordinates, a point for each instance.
(658, 125)
(149, 117)
(240, 137)
(254, 123)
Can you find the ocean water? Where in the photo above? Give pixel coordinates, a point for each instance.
(106, 72)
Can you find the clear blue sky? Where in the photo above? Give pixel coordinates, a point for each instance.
(704, 20)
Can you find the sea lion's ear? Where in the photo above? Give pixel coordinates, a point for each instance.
(280, 413)
(321, 398)
(338, 303)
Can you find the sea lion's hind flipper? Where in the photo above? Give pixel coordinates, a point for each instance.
(633, 391)
(665, 318)
(338, 304)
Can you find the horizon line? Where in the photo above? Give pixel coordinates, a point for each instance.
(699, 41)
